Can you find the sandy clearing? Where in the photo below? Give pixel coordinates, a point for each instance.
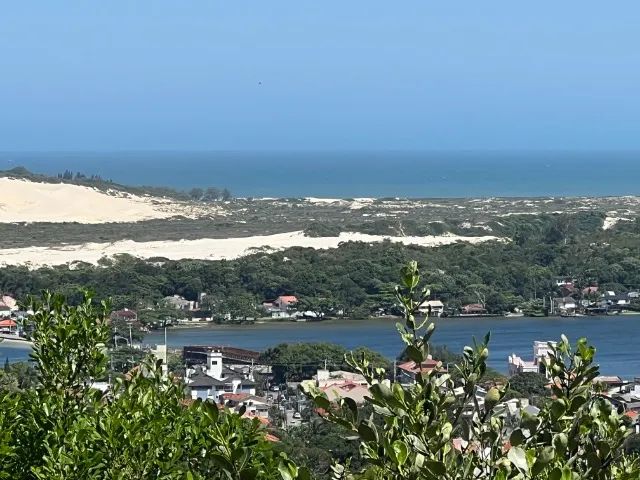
(207, 248)
(26, 201)
(610, 222)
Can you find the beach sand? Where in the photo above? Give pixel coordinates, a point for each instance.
(206, 248)
(25, 201)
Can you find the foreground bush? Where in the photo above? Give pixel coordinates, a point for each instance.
(143, 428)
(64, 429)
(578, 435)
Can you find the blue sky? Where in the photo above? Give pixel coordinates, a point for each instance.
(329, 75)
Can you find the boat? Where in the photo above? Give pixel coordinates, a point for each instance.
(514, 314)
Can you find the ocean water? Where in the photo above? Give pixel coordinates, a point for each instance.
(357, 174)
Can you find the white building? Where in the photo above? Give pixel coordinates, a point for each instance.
(539, 363)
(435, 308)
(215, 379)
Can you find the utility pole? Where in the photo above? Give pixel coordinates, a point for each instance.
(395, 368)
(130, 337)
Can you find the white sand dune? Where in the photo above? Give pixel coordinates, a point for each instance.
(206, 248)
(25, 201)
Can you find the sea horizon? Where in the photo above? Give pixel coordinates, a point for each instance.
(356, 174)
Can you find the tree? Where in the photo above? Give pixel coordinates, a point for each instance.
(577, 435)
(530, 384)
(196, 193)
(211, 194)
(65, 429)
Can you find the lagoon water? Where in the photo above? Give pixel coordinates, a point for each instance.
(357, 174)
(616, 338)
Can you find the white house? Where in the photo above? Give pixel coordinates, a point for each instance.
(435, 308)
(216, 379)
(539, 363)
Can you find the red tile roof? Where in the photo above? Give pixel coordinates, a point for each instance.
(8, 323)
(288, 298)
(412, 367)
(235, 397)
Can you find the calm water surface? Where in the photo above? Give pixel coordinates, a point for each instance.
(616, 338)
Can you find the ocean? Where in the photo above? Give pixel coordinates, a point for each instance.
(357, 174)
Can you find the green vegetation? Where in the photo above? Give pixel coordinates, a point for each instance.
(577, 435)
(295, 362)
(62, 428)
(358, 278)
(96, 181)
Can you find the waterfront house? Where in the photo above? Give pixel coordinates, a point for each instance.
(285, 302)
(539, 363)
(180, 303)
(8, 326)
(474, 309)
(5, 310)
(124, 315)
(434, 308)
(565, 305)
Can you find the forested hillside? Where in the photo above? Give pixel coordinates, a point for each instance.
(359, 277)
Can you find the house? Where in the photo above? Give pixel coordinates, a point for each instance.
(539, 363)
(5, 310)
(254, 406)
(180, 303)
(621, 299)
(565, 305)
(408, 371)
(10, 302)
(473, 309)
(216, 379)
(285, 302)
(433, 308)
(351, 390)
(124, 315)
(325, 378)
(8, 326)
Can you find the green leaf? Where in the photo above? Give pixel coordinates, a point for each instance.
(322, 402)
(401, 452)
(518, 457)
(414, 354)
(437, 468)
(516, 438)
(368, 433)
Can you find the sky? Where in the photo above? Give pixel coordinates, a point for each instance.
(319, 75)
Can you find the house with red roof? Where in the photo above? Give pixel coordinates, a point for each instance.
(408, 371)
(285, 302)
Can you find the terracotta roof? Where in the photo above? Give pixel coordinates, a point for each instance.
(412, 367)
(235, 397)
(288, 298)
(251, 416)
(271, 438)
(8, 323)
